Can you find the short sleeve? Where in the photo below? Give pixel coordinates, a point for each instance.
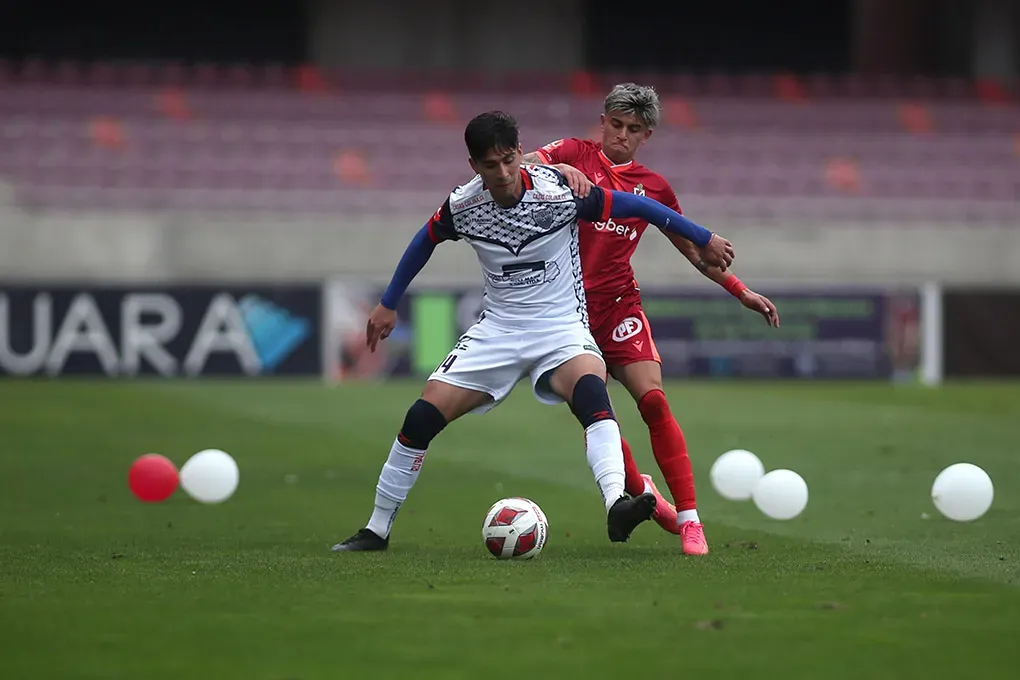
(562, 151)
(441, 225)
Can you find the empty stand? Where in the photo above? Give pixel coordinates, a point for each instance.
(129, 136)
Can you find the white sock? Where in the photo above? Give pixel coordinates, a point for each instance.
(687, 516)
(605, 458)
(395, 481)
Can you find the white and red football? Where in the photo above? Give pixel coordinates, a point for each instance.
(515, 529)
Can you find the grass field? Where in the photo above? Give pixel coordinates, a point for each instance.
(94, 584)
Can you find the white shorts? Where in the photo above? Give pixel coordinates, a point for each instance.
(492, 359)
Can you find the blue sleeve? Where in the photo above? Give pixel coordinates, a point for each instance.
(591, 207)
(623, 204)
(417, 254)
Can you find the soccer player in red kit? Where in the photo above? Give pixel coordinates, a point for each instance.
(616, 318)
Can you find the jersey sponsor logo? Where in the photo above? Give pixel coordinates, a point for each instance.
(524, 275)
(611, 226)
(552, 145)
(628, 328)
(470, 201)
(639, 190)
(483, 222)
(539, 196)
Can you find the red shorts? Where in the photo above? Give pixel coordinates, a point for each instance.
(621, 330)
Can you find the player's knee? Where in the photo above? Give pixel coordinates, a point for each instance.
(590, 402)
(654, 407)
(421, 425)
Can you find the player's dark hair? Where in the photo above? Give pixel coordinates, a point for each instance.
(491, 130)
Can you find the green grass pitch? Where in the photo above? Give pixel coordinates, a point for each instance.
(870, 582)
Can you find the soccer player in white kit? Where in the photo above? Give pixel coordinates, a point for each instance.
(522, 223)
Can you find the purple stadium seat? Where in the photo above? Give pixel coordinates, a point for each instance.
(254, 142)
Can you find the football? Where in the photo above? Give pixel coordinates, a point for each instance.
(515, 529)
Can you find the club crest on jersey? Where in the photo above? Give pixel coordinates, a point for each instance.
(543, 216)
(639, 190)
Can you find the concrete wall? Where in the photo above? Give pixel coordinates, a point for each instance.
(47, 246)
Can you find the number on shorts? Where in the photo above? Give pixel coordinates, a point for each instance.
(445, 366)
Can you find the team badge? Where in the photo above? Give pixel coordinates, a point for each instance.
(543, 216)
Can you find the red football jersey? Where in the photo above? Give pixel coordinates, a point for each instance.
(606, 247)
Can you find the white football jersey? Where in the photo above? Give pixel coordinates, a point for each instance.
(528, 252)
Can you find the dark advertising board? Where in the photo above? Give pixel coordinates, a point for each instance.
(190, 331)
(981, 333)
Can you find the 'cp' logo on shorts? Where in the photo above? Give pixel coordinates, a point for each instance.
(628, 328)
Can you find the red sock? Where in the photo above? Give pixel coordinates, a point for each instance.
(670, 449)
(632, 483)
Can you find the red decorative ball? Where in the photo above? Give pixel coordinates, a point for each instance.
(152, 478)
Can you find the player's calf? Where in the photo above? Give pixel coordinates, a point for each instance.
(594, 410)
(670, 450)
(422, 423)
(590, 404)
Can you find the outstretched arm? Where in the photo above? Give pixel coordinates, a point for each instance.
(728, 280)
(383, 318)
(693, 255)
(415, 256)
(601, 204)
(624, 204)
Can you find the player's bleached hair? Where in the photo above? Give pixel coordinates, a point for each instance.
(631, 98)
